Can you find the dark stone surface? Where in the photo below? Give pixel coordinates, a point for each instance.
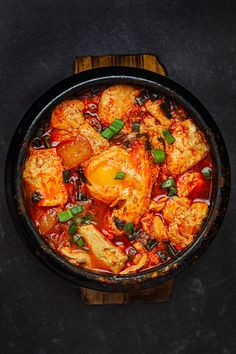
(40, 312)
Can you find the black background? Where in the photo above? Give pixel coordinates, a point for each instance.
(196, 40)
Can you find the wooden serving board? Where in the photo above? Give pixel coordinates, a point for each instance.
(161, 293)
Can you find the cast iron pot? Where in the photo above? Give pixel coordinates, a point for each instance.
(42, 108)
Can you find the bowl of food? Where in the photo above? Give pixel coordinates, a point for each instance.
(117, 178)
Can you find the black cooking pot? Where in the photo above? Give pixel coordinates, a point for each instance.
(41, 110)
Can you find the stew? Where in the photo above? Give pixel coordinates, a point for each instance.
(119, 179)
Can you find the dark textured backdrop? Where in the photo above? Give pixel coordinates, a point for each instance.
(40, 312)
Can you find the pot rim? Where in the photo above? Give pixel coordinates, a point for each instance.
(18, 147)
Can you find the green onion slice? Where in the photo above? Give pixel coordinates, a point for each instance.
(79, 240)
(47, 141)
(73, 228)
(65, 215)
(136, 126)
(77, 209)
(206, 171)
(120, 175)
(172, 191)
(158, 155)
(66, 176)
(170, 182)
(170, 139)
(129, 227)
(113, 129)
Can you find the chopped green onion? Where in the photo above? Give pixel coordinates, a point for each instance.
(65, 215)
(113, 129)
(47, 141)
(120, 175)
(129, 227)
(170, 139)
(206, 171)
(158, 155)
(36, 197)
(73, 228)
(66, 176)
(79, 220)
(170, 182)
(151, 243)
(165, 110)
(77, 209)
(172, 191)
(107, 133)
(79, 240)
(136, 126)
(87, 219)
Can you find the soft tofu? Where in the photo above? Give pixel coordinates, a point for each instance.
(184, 219)
(115, 101)
(103, 249)
(43, 173)
(153, 107)
(97, 142)
(76, 256)
(187, 182)
(68, 115)
(188, 149)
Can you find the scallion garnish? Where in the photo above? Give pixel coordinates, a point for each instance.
(65, 215)
(47, 141)
(79, 240)
(113, 129)
(170, 139)
(171, 249)
(73, 228)
(170, 182)
(87, 219)
(172, 191)
(129, 227)
(158, 155)
(136, 126)
(120, 175)
(77, 209)
(206, 171)
(66, 176)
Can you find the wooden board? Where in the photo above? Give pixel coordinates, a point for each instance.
(161, 293)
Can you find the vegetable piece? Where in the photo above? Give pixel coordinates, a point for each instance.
(73, 228)
(162, 255)
(77, 209)
(47, 141)
(170, 139)
(148, 145)
(36, 197)
(206, 171)
(65, 215)
(170, 182)
(171, 249)
(107, 133)
(113, 129)
(165, 109)
(120, 175)
(172, 191)
(82, 196)
(151, 243)
(82, 175)
(129, 227)
(75, 151)
(158, 155)
(119, 223)
(66, 176)
(79, 240)
(87, 219)
(136, 126)
(47, 221)
(37, 142)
